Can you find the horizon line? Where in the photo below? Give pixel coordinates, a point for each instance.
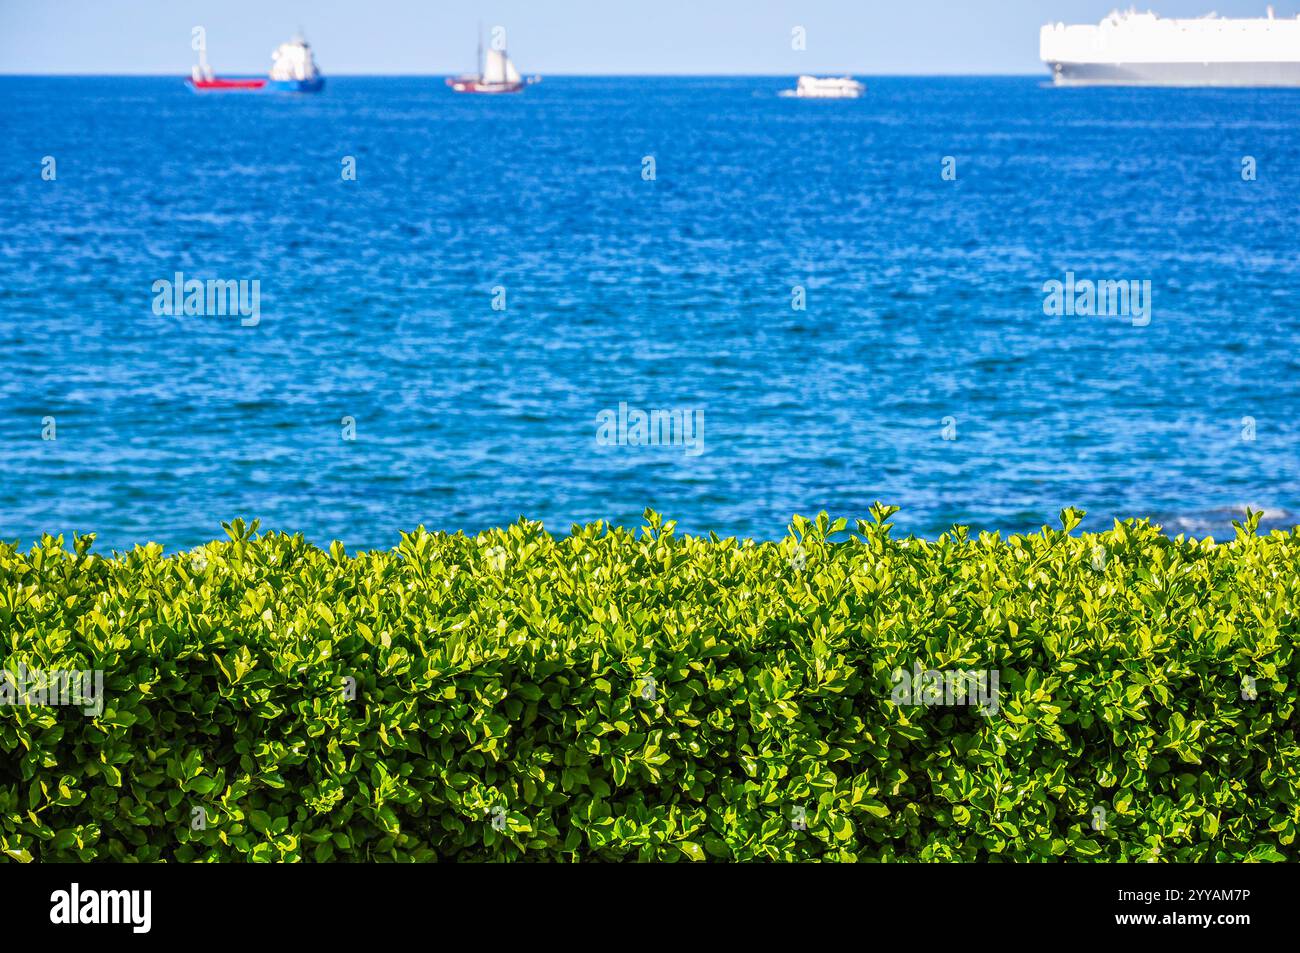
(567, 75)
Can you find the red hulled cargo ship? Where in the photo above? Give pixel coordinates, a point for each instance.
(202, 80)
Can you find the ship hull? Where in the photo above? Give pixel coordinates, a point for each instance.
(475, 86)
(297, 85)
(1176, 74)
(821, 94)
(225, 85)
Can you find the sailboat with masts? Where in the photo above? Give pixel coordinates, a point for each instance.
(496, 74)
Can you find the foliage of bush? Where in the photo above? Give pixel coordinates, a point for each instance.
(618, 695)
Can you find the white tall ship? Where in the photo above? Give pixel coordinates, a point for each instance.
(812, 87)
(1143, 49)
(496, 74)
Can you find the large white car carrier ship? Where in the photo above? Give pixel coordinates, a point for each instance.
(1142, 49)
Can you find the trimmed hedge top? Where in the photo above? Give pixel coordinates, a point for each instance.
(619, 695)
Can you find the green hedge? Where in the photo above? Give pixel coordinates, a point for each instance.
(622, 695)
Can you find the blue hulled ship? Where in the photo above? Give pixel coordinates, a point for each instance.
(293, 68)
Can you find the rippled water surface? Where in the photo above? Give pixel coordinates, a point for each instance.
(924, 302)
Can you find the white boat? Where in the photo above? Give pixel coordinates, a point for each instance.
(813, 87)
(497, 74)
(1143, 49)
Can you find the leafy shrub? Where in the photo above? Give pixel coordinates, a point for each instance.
(619, 695)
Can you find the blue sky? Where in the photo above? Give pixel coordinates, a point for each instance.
(866, 37)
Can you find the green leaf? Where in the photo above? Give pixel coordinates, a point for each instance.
(692, 850)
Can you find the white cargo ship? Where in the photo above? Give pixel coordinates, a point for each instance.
(293, 68)
(1143, 49)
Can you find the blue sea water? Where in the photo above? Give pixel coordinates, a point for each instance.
(924, 302)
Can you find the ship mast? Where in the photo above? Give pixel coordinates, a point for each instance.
(478, 63)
